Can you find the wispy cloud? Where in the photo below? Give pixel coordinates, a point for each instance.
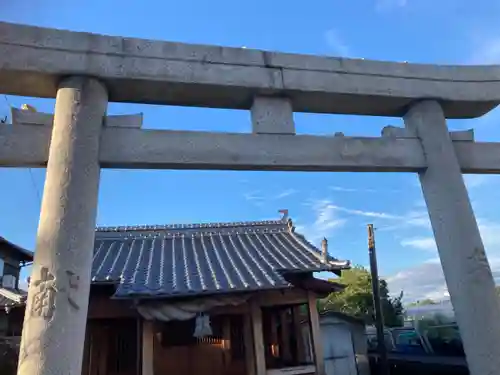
(490, 233)
(255, 197)
(325, 222)
(421, 243)
(336, 43)
(328, 218)
(476, 180)
(343, 189)
(426, 280)
(413, 218)
(286, 193)
(472, 181)
(389, 221)
(359, 190)
(487, 50)
(373, 214)
(258, 198)
(385, 5)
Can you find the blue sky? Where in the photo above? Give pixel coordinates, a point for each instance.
(335, 205)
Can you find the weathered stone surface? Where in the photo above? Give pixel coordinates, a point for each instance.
(23, 117)
(27, 145)
(33, 60)
(56, 312)
(272, 116)
(461, 250)
(20, 116)
(397, 132)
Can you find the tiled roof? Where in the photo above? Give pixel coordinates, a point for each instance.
(192, 259)
(12, 297)
(16, 252)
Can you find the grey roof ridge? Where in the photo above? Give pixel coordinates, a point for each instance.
(208, 225)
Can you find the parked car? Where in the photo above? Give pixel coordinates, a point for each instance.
(435, 351)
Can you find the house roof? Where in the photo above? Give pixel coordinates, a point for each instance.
(12, 297)
(14, 251)
(193, 259)
(342, 316)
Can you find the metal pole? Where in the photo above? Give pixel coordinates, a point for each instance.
(379, 318)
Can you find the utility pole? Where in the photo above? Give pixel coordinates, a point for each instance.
(379, 317)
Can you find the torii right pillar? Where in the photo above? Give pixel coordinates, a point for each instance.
(461, 250)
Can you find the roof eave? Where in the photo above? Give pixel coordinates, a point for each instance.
(151, 295)
(24, 255)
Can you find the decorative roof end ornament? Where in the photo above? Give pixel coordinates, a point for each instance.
(27, 107)
(324, 250)
(284, 212)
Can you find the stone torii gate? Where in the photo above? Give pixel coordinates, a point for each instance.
(84, 71)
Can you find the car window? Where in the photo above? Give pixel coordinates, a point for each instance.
(445, 340)
(407, 338)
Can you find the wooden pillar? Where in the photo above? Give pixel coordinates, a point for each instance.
(101, 350)
(226, 341)
(258, 338)
(86, 351)
(275, 348)
(138, 328)
(299, 338)
(316, 335)
(249, 345)
(147, 347)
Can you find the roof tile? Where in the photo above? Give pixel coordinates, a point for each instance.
(182, 260)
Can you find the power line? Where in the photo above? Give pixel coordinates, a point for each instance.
(4, 120)
(7, 100)
(33, 183)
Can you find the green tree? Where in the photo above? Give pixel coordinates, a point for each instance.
(357, 298)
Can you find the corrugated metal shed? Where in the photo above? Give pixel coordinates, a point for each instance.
(193, 259)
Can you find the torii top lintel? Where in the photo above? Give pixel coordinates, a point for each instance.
(34, 59)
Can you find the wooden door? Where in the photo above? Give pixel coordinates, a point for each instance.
(176, 352)
(111, 347)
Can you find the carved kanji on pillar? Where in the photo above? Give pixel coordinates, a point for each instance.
(44, 300)
(73, 281)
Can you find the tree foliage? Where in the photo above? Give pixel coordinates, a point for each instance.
(357, 298)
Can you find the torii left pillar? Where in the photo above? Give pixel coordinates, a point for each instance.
(56, 312)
